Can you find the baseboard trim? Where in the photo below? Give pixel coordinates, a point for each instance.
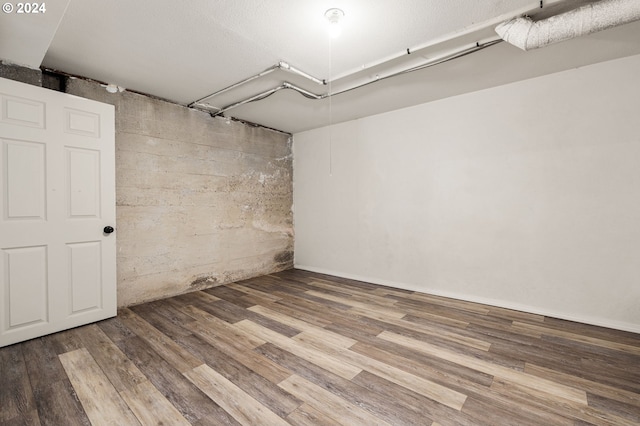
(600, 322)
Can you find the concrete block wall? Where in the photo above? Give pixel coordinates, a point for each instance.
(199, 202)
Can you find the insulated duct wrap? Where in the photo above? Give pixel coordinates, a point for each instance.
(527, 34)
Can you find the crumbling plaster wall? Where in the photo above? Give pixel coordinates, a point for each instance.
(199, 202)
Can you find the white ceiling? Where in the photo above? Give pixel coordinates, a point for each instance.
(183, 51)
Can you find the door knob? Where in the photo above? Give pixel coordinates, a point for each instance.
(108, 229)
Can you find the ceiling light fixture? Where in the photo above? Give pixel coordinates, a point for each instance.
(334, 16)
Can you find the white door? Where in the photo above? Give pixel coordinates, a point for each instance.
(57, 196)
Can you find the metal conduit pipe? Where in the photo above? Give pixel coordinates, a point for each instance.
(431, 62)
(527, 34)
(267, 93)
(287, 67)
(279, 66)
(435, 61)
(532, 6)
(238, 84)
(252, 99)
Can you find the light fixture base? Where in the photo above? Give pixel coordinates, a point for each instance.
(334, 15)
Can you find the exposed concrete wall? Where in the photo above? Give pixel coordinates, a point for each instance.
(21, 74)
(199, 202)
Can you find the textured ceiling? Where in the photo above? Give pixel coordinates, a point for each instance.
(183, 51)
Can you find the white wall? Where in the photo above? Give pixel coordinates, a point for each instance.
(524, 196)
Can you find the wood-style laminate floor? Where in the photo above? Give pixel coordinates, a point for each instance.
(307, 349)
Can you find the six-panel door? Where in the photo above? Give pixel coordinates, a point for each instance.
(57, 193)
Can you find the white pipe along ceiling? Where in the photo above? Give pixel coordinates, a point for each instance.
(202, 104)
(526, 34)
(521, 32)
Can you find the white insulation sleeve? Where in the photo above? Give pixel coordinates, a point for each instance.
(527, 34)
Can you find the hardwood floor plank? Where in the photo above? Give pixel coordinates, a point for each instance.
(115, 329)
(151, 407)
(53, 393)
(209, 325)
(275, 325)
(600, 389)
(194, 405)
(355, 329)
(417, 384)
(119, 369)
(556, 389)
(555, 411)
(241, 352)
(65, 341)
(353, 303)
(295, 312)
(486, 413)
(427, 311)
(629, 412)
(412, 402)
(486, 391)
(167, 348)
(250, 382)
(258, 294)
(463, 346)
(538, 352)
(195, 298)
(322, 359)
(42, 363)
(29, 418)
(428, 318)
(16, 396)
(515, 315)
(458, 377)
(623, 347)
(355, 293)
(427, 330)
(329, 404)
(502, 334)
(594, 363)
(420, 299)
(383, 406)
(312, 309)
(58, 404)
(306, 415)
(228, 293)
(310, 329)
(99, 398)
(225, 310)
(427, 388)
(622, 375)
(170, 310)
(603, 333)
(324, 301)
(173, 329)
(241, 406)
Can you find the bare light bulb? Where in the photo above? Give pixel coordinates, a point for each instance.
(334, 16)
